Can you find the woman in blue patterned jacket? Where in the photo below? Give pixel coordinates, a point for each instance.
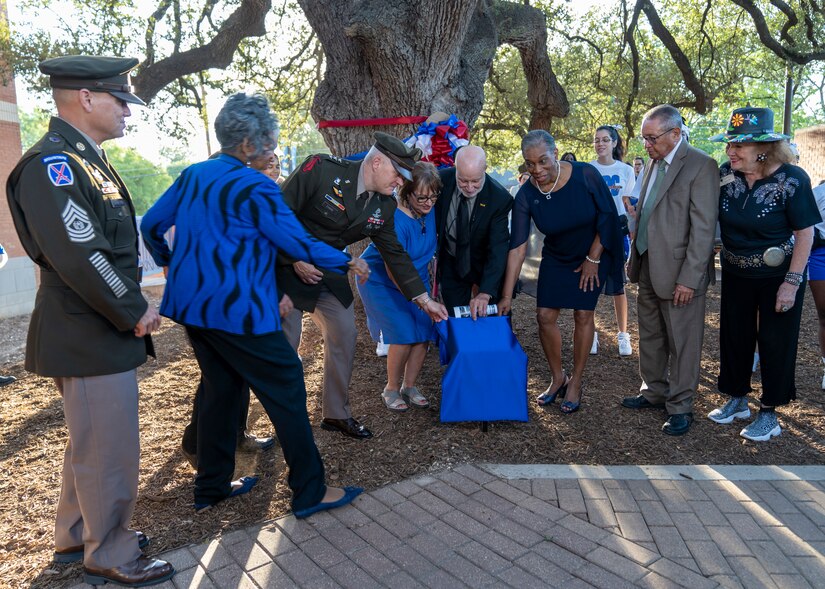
(230, 222)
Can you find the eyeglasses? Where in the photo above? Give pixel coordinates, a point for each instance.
(652, 140)
(422, 198)
(596, 140)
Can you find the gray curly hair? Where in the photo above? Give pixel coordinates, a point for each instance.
(538, 137)
(247, 116)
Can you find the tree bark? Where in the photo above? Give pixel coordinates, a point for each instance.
(387, 59)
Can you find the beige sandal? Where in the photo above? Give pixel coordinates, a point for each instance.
(393, 401)
(414, 397)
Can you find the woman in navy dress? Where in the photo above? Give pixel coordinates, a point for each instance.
(570, 203)
(405, 327)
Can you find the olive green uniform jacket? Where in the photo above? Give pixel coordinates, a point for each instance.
(322, 193)
(76, 221)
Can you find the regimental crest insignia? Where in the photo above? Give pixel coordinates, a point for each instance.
(60, 174)
(78, 225)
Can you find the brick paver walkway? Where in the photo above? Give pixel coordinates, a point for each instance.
(519, 526)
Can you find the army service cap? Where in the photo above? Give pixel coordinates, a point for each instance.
(403, 158)
(94, 73)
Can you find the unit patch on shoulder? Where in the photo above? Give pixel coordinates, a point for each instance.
(60, 174)
(78, 225)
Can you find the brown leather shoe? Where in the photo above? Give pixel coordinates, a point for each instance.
(139, 573)
(75, 553)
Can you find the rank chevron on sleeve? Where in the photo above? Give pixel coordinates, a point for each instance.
(78, 225)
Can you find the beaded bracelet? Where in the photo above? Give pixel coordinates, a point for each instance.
(592, 261)
(794, 278)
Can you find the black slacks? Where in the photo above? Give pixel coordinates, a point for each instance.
(190, 433)
(748, 316)
(272, 369)
(455, 291)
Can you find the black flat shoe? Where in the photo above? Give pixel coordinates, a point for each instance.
(249, 443)
(640, 402)
(349, 427)
(678, 424)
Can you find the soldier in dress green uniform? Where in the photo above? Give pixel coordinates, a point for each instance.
(341, 202)
(90, 325)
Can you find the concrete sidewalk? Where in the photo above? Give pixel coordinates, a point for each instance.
(540, 526)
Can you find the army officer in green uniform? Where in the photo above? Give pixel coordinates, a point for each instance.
(341, 202)
(90, 325)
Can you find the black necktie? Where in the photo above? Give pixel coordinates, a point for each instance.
(462, 237)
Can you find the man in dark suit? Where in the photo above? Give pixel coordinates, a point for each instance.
(341, 202)
(90, 325)
(670, 260)
(473, 233)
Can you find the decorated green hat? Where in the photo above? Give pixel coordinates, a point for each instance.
(94, 73)
(750, 125)
(403, 158)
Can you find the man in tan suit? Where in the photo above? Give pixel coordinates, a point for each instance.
(670, 260)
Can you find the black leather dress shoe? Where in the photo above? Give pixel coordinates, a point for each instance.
(139, 573)
(249, 443)
(75, 553)
(348, 427)
(4, 380)
(640, 402)
(678, 424)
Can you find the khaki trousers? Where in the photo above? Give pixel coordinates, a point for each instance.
(100, 468)
(337, 325)
(670, 346)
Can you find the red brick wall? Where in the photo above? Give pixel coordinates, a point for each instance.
(10, 152)
(811, 143)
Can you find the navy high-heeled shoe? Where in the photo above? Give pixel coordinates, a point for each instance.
(569, 407)
(546, 398)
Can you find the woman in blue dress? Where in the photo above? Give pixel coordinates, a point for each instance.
(570, 203)
(405, 327)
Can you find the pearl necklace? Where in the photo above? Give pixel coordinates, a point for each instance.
(552, 188)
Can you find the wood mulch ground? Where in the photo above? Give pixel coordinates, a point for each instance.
(33, 434)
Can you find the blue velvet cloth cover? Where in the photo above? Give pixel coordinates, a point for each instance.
(486, 376)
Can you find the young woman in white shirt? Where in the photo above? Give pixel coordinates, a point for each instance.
(620, 179)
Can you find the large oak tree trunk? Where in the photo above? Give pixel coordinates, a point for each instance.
(415, 57)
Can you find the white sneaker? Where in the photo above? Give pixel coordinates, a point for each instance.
(624, 344)
(755, 366)
(735, 408)
(763, 428)
(594, 349)
(381, 349)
